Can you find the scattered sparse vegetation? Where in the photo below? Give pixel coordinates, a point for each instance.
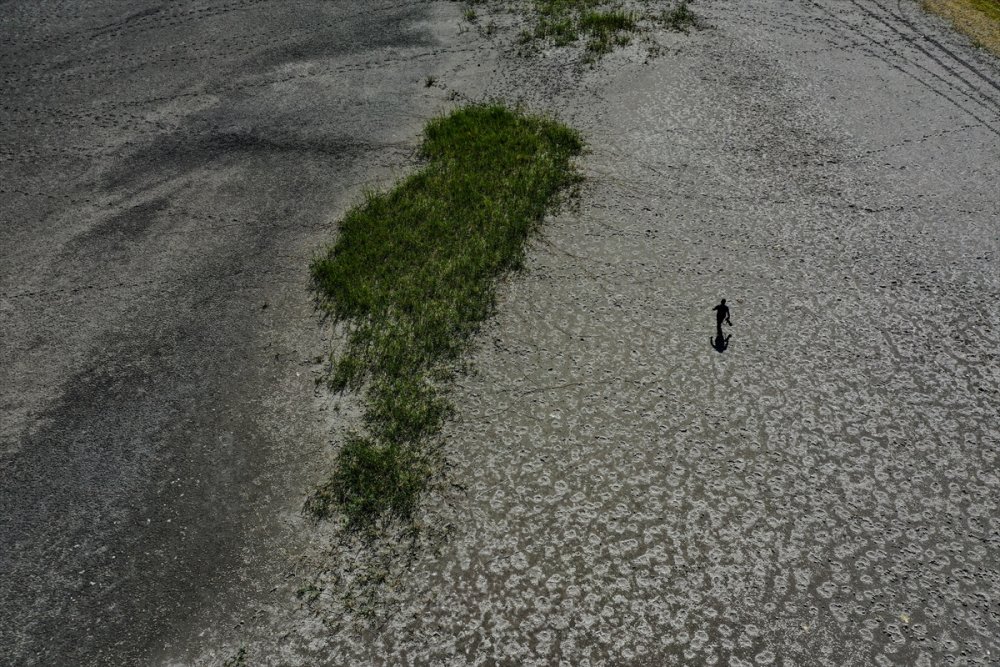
(565, 21)
(680, 18)
(309, 593)
(602, 24)
(238, 659)
(412, 275)
(430, 81)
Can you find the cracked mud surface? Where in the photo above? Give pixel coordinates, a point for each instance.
(823, 493)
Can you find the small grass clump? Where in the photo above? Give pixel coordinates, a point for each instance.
(566, 21)
(607, 29)
(604, 24)
(238, 659)
(559, 20)
(413, 274)
(680, 18)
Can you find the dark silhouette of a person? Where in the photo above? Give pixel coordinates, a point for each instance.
(721, 315)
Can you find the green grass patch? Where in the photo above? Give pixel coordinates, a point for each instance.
(413, 274)
(559, 20)
(607, 29)
(601, 24)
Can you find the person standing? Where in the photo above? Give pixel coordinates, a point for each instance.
(721, 315)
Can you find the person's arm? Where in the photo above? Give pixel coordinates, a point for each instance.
(728, 321)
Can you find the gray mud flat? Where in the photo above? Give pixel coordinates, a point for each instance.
(824, 492)
(167, 171)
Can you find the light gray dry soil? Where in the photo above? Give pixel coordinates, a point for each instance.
(824, 492)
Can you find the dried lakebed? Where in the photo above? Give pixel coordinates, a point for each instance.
(824, 492)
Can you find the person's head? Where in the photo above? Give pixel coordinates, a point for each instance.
(723, 302)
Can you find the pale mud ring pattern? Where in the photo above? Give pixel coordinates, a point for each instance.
(824, 493)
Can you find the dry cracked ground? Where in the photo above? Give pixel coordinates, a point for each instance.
(823, 492)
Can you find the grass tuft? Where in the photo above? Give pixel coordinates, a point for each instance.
(680, 18)
(607, 29)
(413, 274)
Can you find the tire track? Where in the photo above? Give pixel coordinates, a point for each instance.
(910, 39)
(886, 47)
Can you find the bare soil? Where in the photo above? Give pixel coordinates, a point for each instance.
(823, 492)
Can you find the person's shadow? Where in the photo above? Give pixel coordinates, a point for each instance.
(719, 343)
